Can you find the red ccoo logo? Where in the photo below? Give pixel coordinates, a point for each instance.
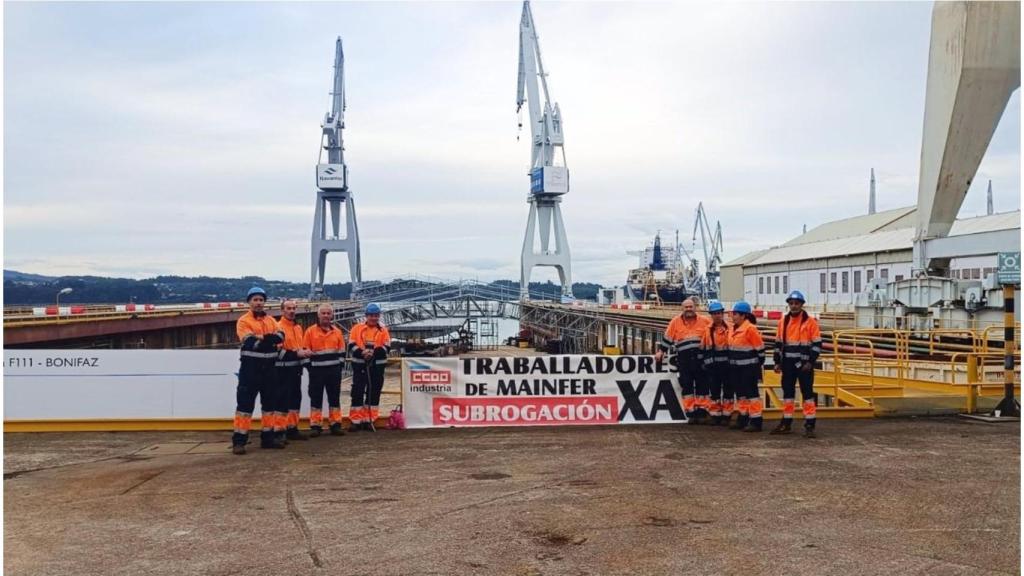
(431, 376)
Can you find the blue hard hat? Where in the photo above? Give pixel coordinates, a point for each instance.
(715, 306)
(741, 307)
(796, 295)
(372, 309)
(254, 291)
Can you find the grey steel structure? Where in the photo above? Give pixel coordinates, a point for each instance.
(549, 176)
(333, 192)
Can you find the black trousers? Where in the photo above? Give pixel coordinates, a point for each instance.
(367, 382)
(290, 380)
(791, 375)
(325, 379)
(719, 386)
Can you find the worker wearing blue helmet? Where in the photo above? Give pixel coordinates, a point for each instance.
(715, 355)
(260, 338)
(797, 347)
(369, 344)
(746, 358)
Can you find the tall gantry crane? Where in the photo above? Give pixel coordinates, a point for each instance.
(549, 176)
(712, 245)
(333, 192)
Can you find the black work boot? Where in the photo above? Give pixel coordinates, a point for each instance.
(740, 423)
(337, 430)
(238, 449)
(270, 440)
(785, 427)
(294, 434)
(281, 437)
(754, 425)
(315, 431)
(809, 431)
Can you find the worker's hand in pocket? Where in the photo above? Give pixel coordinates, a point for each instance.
(777, 369)
(806, 367)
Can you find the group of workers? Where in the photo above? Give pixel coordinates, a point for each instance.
(721, 363)
(273, 355)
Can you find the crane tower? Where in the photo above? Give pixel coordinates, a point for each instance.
(549, 176)
(333, 192)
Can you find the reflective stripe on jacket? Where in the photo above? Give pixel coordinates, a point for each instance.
(797, 339)
(365, 337)
(328, 346)
(683, 338)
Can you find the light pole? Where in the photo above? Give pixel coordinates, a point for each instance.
(63, 291)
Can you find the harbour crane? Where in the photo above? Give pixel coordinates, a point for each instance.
(549, 175)
(333, 191)
(712, 245)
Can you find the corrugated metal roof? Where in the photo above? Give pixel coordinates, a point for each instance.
(849, 227)
(744, 259)
(884, 241)
(1001, 221)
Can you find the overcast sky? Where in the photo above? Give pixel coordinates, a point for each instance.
(145, 139)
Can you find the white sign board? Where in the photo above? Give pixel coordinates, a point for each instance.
(331, 177)
(539, 391)
(121, 384)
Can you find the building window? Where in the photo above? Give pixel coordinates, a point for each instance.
(885, 273)
(832, 283)
(899, 277)
(785, 284)
(976, 273)
(856, 281)
(822, 279)
(987, 271)
(760, 285)
(846, 282)
(871, 276)
(776, 284)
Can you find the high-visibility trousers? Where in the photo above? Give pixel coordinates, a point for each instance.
(367, 383)
(325, 379)
(256, 377)
(791, 375)
(744, 381)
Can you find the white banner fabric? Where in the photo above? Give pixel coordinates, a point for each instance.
(539, 391)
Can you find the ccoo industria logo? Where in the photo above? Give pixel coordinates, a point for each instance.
(423, 378)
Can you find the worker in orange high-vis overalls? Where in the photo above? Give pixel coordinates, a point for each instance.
(746, 358)
(714, 348)
(326, 345)
(369, 345)
(797, 347)
(289, 372)
(257, 375)
(682, 338)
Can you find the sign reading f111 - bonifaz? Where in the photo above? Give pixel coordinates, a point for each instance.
(540, 391)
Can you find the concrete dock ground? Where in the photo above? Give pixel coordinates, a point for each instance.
(886, 496)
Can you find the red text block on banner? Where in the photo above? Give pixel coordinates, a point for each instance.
(555, 411)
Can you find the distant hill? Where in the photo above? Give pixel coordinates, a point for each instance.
(22, 289)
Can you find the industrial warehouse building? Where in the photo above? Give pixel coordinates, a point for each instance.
(834, 262)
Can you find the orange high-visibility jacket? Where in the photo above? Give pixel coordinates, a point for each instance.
(289, 356)
(249, 327)
(364, 337)
(328, 346)
(714, 345)
(746, 347)
(797, 339)
(683, 337)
